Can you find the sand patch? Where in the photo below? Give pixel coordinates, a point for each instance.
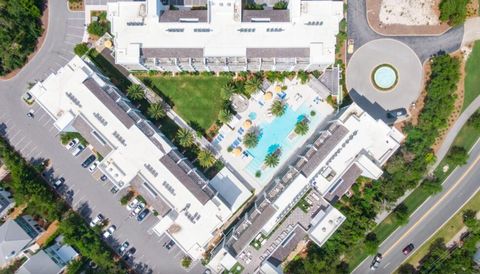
(409, 12)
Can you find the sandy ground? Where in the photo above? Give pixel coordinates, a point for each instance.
(409, 12)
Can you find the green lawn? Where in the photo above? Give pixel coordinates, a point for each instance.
(472, 79)
(447, 231)
(196, 98)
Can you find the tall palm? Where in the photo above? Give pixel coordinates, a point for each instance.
(185, 137)
(135, 92)
(250, 140)
(252, 85)
(301, 127)
(227, 91)
(278, 108)
(225, 116)
(156, 111)
(206, 158)
(272, 160)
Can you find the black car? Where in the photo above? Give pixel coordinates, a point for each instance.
(143, 214)
(170, 245)
(89, 161)
(406, 250)
(129, 253)
(396, 113)
(103, 178)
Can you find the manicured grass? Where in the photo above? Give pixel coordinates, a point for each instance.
(196, 98)
(472, 79)
(447, 231)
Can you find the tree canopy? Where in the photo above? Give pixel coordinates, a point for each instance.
(20, 27)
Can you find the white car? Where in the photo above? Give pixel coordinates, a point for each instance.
(138, 209)
(71, 143)
(97, 220)
(133, 204)
(78, 150)
(108, 233)
(93, 166)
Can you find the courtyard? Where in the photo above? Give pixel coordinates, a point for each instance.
(276, 135)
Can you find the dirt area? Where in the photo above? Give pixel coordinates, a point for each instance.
(472, 8)
(17, 211)
(52, 228)
(405, 17)
(40, 41)
(458, 103)
(76, 6)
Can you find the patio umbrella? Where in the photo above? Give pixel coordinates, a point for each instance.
(247, 124)
(108, 44)
(278, 88)
(268, 96)
(237, 151)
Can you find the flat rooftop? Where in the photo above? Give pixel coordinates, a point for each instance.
(225, 29)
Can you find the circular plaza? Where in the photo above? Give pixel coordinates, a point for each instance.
(387, 72)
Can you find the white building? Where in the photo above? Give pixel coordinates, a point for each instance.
(352, 145)
(136, 153)
(223, 35)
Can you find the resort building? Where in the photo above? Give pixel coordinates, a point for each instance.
(296, 204)
(80, 99)
(225, 35)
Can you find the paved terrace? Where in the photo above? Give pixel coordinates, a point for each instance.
(252, 258)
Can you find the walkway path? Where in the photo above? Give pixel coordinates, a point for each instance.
(472, 30)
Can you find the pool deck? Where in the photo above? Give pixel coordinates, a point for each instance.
(295, 96)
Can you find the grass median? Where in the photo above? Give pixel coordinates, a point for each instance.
(472, 78)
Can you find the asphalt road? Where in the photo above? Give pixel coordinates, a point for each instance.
(38, 139)
(424, 46)
(459, 187)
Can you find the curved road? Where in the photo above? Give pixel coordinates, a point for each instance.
(424, 46)
(459, 187)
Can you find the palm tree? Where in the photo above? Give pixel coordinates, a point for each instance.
(227, 91)
(156, 111)
(250, 140)
(206, 158)
(301, 127)
(278, 108)
(185, 137)
(272, 160)
(225, 116)
(252, 85)
(135, 92)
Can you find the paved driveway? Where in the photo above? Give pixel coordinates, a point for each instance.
(424, 46)
(38, 139)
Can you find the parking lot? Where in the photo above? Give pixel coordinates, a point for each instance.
(90, 196)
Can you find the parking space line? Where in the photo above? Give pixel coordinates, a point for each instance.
(41, 117)
(14, 136)
(18, 143)
(30, 153)
(24, 147)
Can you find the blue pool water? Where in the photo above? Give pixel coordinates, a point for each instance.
(385, 77)
(274, 135)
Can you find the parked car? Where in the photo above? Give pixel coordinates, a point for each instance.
(406, 250)
(396, 113)
(123, 247)
(143, 214)
(129, 253)
(30, 114)
(93, 166)
(138, 209)
(58, 183)
(28, 98)
(78, 150)
(376, 261)
(351, 46)
(114, 190)
(72, 143)
(103, 178)
(88, 161)
(133, 204)
(170, 245)
(108, 233)
(97, 220)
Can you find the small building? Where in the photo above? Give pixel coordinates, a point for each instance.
(6, 202)
(17, 236)
(51, 260)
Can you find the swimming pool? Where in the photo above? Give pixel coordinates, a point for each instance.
(275, 134)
